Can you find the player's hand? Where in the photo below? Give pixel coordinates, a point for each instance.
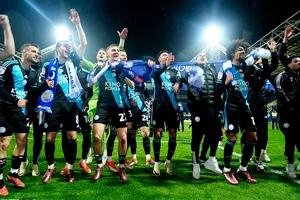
(85, 106)
(123, 34)
(95, 80)
(229, 77)
(288, 32)
(272, 45)
(176, 88)
(50, 83)
(147, 104)
(150, 63)
(133, 103)
(22, 103)
(74, 16)
(4, 22)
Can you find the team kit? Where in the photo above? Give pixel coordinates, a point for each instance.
(53, 97)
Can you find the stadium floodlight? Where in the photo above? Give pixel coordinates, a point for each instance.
(62, 33)
(212, 34)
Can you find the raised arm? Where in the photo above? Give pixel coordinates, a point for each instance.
(88, 64)
(75, 19)
(283, 47)
(123, 36)
(9, 43)
(269, 68)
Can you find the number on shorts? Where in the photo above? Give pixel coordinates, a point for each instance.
(28, 122)
(77, 119)
(144, 118)
(130, 113)
(86, 118)
(122, 117)
(253, 122)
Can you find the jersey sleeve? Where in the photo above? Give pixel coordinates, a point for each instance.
(88, 64)
(221, 87)
(75, 58)
(5, 71)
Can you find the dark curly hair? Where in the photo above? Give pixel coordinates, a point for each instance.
(234, 44)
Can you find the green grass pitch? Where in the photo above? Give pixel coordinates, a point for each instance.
(141, 183)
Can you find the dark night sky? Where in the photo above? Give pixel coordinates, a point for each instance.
(153, 25)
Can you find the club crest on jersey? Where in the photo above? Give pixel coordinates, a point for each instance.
(47, 96)
(114, 74)
(131, 74)
(2, 70)
(128, 64)
(168, 76)
(24, 82)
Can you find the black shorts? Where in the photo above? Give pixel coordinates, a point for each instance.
(140, 119)
(205, 121)
(84, 120)
(64, 117)
(238, 117)
(115, 114)
(261, 119)
(165, 114)
(12, 119)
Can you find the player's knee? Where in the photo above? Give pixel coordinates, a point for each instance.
(50, 139)
(144, 132)
(172, 133)
(157, 133)
(97, 138)
(232, 137)
(72, 136)
(123, 141)
(251, 136)
(4, 146)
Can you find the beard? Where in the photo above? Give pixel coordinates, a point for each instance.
(31, 59)
(241, 59)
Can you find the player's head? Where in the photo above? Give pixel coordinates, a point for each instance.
(30, 52)
(293, 62)
(63, 49)
(123, 55)
(80, 64)
(237, 50)
(201, 58)
(112, 52)
(162, 56)
(101, 55)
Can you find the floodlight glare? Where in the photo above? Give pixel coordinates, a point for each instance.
(212, 34)
(62, 33)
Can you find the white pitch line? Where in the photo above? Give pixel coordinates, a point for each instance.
(269, 168)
